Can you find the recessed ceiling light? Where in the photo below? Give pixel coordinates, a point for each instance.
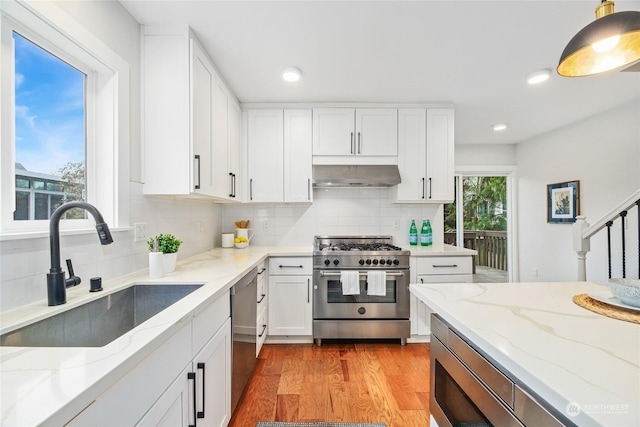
(499, 127)
(291, 74)
(538, 77)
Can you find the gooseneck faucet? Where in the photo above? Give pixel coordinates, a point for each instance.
(56, 283)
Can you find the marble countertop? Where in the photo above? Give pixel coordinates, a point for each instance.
(564, 353)
(438, 250)
(51, 385)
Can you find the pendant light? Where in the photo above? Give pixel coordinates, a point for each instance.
(610, 42)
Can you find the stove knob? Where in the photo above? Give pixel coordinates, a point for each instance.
(336, 262)
(381, 262)
(361, 262)
(327, 262)
(375, 262)
(389, 262)
(362, 310)
(396, 262)
(368, 262)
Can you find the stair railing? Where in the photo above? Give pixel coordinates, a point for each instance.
(582, 233)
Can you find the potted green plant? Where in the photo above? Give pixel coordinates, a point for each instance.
(168, 245)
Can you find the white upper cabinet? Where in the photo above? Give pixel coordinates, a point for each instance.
(265, 168)
(425, 156)
(350, 135)
(279, 156)
(188, 133)
(297, 156)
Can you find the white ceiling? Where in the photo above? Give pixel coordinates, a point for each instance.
(474, 54)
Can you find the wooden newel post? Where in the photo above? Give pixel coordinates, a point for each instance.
(581, 245)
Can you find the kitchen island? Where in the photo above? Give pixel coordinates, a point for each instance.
(568, 356)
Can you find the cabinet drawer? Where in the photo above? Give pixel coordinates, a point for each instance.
(444, 265)
(290, 266)
(210, 320)
(261, 328)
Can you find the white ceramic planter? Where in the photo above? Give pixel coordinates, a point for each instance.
(169, 262)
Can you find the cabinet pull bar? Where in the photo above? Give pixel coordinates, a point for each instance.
(251, 189)
(234, 185)
(230, 184)
(191, 376)
(262, 298)
(444, 265)
(201, 366)
(308, 290)
(352, 144)
(359, 143)
(308, 188)
(424, 188)
(430, 189)
(197, 157)
(264, 328)
(262, 271)
(291, 266)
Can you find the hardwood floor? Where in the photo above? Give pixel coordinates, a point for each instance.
(338, 382)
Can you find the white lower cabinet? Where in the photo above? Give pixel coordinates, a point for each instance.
(170, 387)
(262, 320)
(436, 269)
(290, 296)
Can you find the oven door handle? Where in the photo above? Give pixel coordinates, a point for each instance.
(389, 273)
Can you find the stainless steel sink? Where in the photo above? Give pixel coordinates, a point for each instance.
(98, 322)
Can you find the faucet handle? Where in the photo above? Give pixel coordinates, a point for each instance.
(73, 280)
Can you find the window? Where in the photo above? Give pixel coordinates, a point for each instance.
(49, 132)
(95, 168)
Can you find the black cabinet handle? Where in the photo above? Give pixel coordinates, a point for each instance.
(197, 157)
(430, 189)
(230, 184)
(291, 266)
(262, 299)
(234, 186)
(251, 189)
(262, 271)
(201, 366)
(424, 188)
(192, 377)
(445, 265)
(359, 143)
(264, 328)
(308, 290)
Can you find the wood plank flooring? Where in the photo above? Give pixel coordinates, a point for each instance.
(338, 382)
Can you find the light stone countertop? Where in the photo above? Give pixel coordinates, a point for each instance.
(560, 351)
(438, 250)
(51, 385)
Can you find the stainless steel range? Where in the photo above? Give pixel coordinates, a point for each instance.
(361, 288)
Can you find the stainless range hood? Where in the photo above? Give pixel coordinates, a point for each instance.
(355, 175)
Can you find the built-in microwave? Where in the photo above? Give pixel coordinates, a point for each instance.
(467, 389)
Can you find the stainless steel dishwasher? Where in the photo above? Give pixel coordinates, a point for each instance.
(243, 327)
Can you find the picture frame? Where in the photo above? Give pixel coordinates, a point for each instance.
(563, 202)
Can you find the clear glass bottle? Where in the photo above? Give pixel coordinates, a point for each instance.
(413, 233)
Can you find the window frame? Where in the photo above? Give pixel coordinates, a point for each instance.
(107, 113)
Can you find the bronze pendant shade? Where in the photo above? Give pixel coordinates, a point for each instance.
(610, 42)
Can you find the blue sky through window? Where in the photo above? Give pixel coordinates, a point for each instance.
(50, 109)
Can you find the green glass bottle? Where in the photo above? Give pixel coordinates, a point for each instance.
(413, 233)
(429, 234)
(424, 234)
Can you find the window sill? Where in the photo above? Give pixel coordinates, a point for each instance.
(24, 235)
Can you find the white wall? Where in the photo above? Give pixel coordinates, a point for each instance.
(603, 153)
(336, 211)
(485, 155)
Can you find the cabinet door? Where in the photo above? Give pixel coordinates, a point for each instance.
(290, 305)
(220, 179)
(202, 87)
(440, 155)
(333, 131)
(235, 140)
(420, 317)
(297, 156)
(172, 409)
(213, 379)
(412, 140)
(265, 158)
(376, 132)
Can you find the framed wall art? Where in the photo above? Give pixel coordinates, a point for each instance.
(563, 202)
